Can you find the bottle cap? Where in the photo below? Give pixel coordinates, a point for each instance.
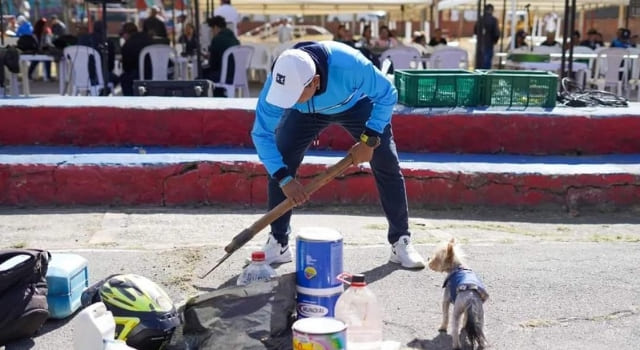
(357, 280)
(257, 256)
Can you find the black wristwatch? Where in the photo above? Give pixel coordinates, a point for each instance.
(371, 141)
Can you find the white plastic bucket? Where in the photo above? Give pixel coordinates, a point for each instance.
(319, 333)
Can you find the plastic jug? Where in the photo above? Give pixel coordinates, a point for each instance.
(95, 328)
(258, 270)
(359, 309)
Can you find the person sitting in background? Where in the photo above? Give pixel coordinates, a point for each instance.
(188, 40)
(550, 40)
(285, 32)
(419, 41)
(575, 40)
(95, 40)
(437, 38)
(42, 32)
(386, 39)
(58, 28)
(622, 38)
(591, 41)
(24, 27)
(344, 36)
(223, 38)
(134, 42)
(154, 26)
(365, 40)
(521, 40)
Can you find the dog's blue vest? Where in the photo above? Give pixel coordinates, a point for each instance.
(462, 279)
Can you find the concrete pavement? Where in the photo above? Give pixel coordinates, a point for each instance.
(556, 282)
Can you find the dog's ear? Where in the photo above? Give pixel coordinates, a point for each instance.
(452, 241)
(449, 256)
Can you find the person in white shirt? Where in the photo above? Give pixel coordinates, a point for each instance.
(285, 32)
(230, 15)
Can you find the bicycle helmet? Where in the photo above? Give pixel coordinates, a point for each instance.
(145, 315)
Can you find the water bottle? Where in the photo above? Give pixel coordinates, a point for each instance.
(359, 309)
(258, 270)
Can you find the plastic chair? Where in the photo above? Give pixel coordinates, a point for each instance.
(611, 69)
(261, 59)
(449, 58)
(160, 55)
(404, 57)
(547, 49)
(634, 79)
(242, 59)
(77, 60)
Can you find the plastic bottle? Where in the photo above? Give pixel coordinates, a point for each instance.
(258, 270)
(358, 307)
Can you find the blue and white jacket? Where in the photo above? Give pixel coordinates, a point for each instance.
(346, 77)
(464, 279)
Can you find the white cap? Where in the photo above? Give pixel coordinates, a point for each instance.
(292, 71)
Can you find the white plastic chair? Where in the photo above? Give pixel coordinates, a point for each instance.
(160, 55)
(634, 79)
(77, 60)
(449, 58)
(547, 49)
(583, 75)
(610, 64)
(402, 57)
(261, 59)
(242, 60)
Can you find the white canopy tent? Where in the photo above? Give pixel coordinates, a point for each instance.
(325, 7)
(542, 5)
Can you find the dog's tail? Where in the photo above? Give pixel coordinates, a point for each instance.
(475, 323)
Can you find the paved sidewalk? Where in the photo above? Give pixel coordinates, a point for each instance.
(556, 282)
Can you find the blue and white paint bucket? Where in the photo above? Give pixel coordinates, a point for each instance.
(313, 302)
(318, 265)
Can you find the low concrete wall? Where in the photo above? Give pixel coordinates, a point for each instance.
(167, 122)
(244, 183)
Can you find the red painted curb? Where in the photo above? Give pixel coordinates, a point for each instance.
(478, 133)
(245, 184)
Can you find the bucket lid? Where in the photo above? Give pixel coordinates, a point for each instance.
(319, 234)
(319, 325)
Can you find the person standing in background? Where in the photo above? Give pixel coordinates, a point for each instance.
(487, 34)
(153, 25)
(285, 32)
(229, 14)
(42, 32)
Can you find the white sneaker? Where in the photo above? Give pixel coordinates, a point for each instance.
(274, 253)
(402, 252)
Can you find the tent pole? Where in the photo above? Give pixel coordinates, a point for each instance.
(573, 28)
(564, 38)
(479, 30)
(197, 35)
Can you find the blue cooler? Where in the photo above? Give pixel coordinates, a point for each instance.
(318, 264)
(67, 278)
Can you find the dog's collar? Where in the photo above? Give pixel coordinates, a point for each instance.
(456, 270)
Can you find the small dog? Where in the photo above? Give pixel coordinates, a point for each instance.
(464, 290)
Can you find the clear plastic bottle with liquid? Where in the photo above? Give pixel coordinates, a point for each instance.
(258, 270)
(359, 309)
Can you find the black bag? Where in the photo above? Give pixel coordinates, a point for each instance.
(254, 317)
(23, 294)
(10, 58)
(28, 44)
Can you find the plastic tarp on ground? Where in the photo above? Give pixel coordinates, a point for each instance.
(324, 7)
(557, 5)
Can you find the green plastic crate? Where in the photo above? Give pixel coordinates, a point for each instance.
(519, 88)
(437, 87)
